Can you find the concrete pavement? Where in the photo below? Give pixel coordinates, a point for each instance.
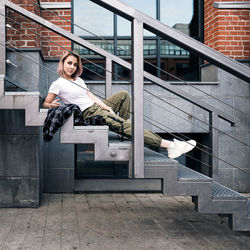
(116, 221)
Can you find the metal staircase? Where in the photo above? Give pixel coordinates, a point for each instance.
(208, 195)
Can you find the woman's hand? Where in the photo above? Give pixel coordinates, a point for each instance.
(55, 103)
(100, 103)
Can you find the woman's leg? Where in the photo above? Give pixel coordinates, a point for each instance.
(117, 124)
(120, 103)
(175, 148)
(121, 126)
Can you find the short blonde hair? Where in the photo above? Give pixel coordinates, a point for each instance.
(65, 55)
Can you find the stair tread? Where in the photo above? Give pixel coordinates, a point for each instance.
(185, 173)
(220, 192)
(150, 155)
(92, 127)
(116, 140)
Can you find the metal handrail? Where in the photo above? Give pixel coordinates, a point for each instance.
(59, 46)
(117, 60)
(178, 38)
(129, 53)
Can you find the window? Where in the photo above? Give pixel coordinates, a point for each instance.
(174, 12)
(92, 18)
(148, 7)
(117, 31)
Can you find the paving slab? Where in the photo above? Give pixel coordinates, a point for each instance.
(116, 221)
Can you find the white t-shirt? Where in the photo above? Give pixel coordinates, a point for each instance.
(69, 92)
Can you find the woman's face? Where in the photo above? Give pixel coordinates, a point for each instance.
(70, 66)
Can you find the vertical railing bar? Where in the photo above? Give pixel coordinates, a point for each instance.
(213, 134)
(2, 49)
(108, 78)
(137, 93)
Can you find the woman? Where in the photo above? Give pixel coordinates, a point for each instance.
(70, 88)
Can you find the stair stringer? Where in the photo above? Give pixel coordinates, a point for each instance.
(236, 208)
(240, 221)
(97, 135)
(171, 186)
(28, 101)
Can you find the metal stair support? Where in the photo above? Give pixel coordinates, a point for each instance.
(211, 197)
(29, 101)
(97, 135)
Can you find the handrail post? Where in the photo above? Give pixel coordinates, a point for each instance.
(213, 136)
(137, 93)
(108, 78)
(2, 48)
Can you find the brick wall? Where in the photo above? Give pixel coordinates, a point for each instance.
(23, 31)
(27, 34)
(227, 30)
(55, 47)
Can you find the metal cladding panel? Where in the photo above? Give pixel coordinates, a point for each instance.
(248, 207)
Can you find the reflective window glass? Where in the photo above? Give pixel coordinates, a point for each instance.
(178, 62)
(124, 48)
(148, 7)
(124, 28)
(174, 12)
(183, 15)
(92, 17)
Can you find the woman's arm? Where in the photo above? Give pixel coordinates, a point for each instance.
(50, 101)
(100, 103)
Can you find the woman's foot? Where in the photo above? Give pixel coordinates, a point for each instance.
(180, 147)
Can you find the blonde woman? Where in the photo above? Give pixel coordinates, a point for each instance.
(71, 89)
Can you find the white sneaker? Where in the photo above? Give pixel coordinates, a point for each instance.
(180, 147)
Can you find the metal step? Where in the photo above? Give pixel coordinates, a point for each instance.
(152, 156)
(116, 140)
(186, 174)
(220, 192)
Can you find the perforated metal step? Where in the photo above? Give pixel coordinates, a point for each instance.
(221, 192)
(152, 156)
(117, 140)
(187, 174)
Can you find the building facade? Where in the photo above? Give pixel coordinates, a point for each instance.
(28, 164)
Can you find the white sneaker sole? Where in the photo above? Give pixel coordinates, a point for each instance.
(176, 152)
(190, 145)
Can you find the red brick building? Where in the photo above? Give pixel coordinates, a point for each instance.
(226, 27)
